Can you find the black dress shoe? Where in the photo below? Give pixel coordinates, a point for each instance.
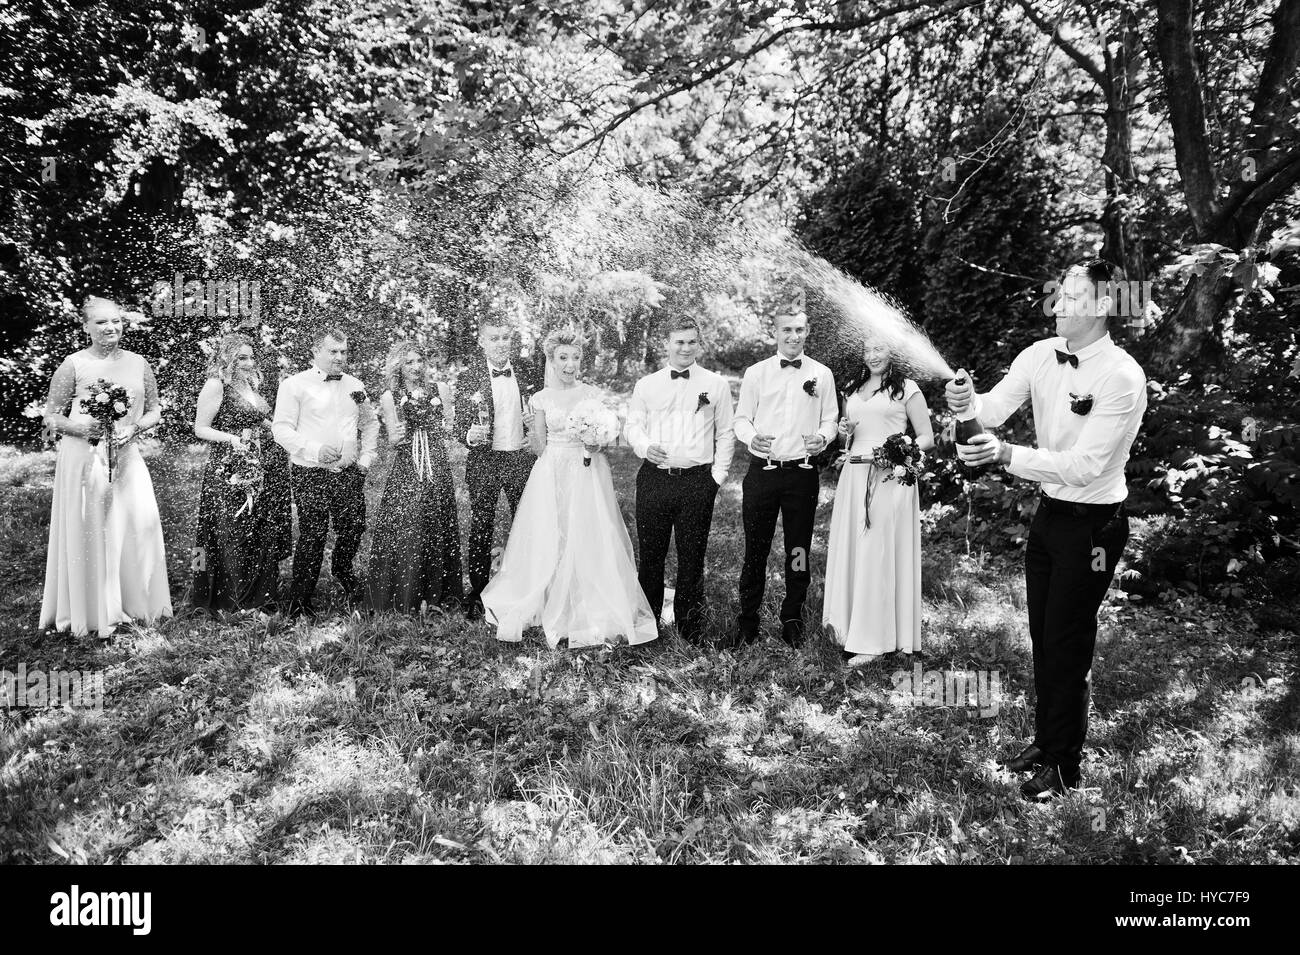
(1049, 782)
(792, 632)
(1031, 757)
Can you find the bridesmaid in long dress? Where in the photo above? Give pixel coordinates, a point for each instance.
(415, 547)
(873, 561)
(106, 564)
(242, 534)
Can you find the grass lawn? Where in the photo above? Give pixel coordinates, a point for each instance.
(395, 739)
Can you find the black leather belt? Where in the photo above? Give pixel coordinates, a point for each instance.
(757, 462)
(679, 472)
(1054, 505)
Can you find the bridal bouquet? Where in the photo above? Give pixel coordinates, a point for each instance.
(106, 403)
(594, 424)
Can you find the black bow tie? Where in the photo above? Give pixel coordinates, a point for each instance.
(333, 377)
(497, 373)
(791, 363)
(680, 374)
(1063, 357)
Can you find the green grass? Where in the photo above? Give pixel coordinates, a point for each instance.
(423, 740)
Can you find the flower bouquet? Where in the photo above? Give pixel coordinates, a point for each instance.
(897, 459)
(107, 403)
(242, 470)
(594, 424)
(419, 409)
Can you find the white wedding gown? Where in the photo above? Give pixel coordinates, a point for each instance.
(568, 564)
(106, 564)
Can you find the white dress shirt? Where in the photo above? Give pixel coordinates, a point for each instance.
(312, 413)
(668, 412)
(775, 400)
(507, 411)
(1080, 457)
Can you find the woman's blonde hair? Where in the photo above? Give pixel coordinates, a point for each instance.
(223, 360)
(94, 304)
(396, 358)
(559, 337)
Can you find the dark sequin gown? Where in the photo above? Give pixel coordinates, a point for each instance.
(415, 542)
(237, 551)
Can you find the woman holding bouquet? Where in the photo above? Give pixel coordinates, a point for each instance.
(568, 564)
(873, 562)
(106, 563)
(415, 548)
(245, 523)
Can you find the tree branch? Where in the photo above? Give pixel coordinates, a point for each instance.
(1053, 31)
(831, 26)
(1273, 114)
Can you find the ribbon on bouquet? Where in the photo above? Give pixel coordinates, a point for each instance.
(422, 455)
(249, 496)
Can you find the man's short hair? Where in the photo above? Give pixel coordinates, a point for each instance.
(330, 331)
(1097, 271)
(680, 323)
(495, 320)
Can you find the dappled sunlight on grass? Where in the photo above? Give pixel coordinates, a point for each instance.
(401, 739)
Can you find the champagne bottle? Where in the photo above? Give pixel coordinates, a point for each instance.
(965, 427)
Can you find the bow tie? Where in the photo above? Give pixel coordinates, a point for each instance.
(674, 375)
(1063, 357)
(791, 363)
(333, 377)
(497, 373)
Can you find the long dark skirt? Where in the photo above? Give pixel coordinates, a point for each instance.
(415, 546)
(236, 558)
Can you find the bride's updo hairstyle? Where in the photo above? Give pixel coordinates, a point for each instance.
(561, 337)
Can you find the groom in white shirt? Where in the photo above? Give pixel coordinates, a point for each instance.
(787, 415)
(324, 419)
(1088, 398)
(679, 421)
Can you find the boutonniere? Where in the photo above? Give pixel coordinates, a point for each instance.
(359, 396)
(810, 387)
(703, 402)
(1080, 404)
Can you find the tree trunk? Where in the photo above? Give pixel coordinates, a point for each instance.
(1121, 246)
(1196, 323)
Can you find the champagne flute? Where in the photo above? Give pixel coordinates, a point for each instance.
(804, 463)
(769, 466)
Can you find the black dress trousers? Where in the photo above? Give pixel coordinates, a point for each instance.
(675, 503)
(789, 492)
(1070, 559)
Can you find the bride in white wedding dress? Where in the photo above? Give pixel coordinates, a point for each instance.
(568, 564)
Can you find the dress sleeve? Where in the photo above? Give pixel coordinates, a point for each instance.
(910, 388)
